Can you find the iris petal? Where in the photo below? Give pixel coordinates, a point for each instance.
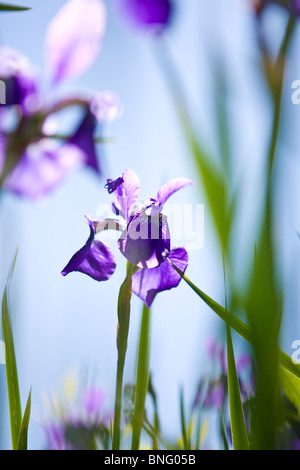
(94, 259)
(146, 241)
(74, 38)
(170, 188)
(147, 283)
(41, 168)
(127, 193)
(83, 138)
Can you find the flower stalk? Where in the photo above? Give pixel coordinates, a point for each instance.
(124, 300)
(142, 378)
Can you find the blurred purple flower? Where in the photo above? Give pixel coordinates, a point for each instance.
(80, 427)
(32, 161)
(214, 393)
(144, 242)
(146, 14)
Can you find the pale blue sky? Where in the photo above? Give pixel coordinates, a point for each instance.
(62, 323)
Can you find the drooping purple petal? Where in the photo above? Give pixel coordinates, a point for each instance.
(74, 38)
(42, 167)
(147, 283)
(170, 188)
(146, 241)
(94, 259)
(145, 13)
(83, 138)
(127, 193)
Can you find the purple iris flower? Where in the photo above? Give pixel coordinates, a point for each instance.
(32, 160)
(144, 241)
(146, 14)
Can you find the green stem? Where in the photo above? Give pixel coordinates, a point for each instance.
(276, 87)
(142, 379)
(264, 306)
(124, 299)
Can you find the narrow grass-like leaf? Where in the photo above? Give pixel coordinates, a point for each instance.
(238, 325)
(215, 188)
(23, 436)
(290, 385)
(11, 367)
(155, 436)
(183, 424)
(210, 172)
(6, 7)
(12, 268)
(142, 378)
(223, 431)
(156, 420)
(237, 419)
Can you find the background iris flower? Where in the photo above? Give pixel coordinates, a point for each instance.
(33, 162)
(146, 14)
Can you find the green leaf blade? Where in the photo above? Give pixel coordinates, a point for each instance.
(237, 419)
(183, 424)
(238, 325)
(11, 374)
(6, 7)
(23, 435)
(142, 378)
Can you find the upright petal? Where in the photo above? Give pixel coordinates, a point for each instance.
(146, 241)
(147, 283)
(94, 259)
(74, 38)
(83, 138)
(127, 193)
(170, 188)
(41, 168)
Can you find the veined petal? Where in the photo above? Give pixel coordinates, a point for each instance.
(41, 168)
(74, 38)
(146, 241)
(170, 188)
(127, 193)
(147, 283)
(84, 140)
(94, 259)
